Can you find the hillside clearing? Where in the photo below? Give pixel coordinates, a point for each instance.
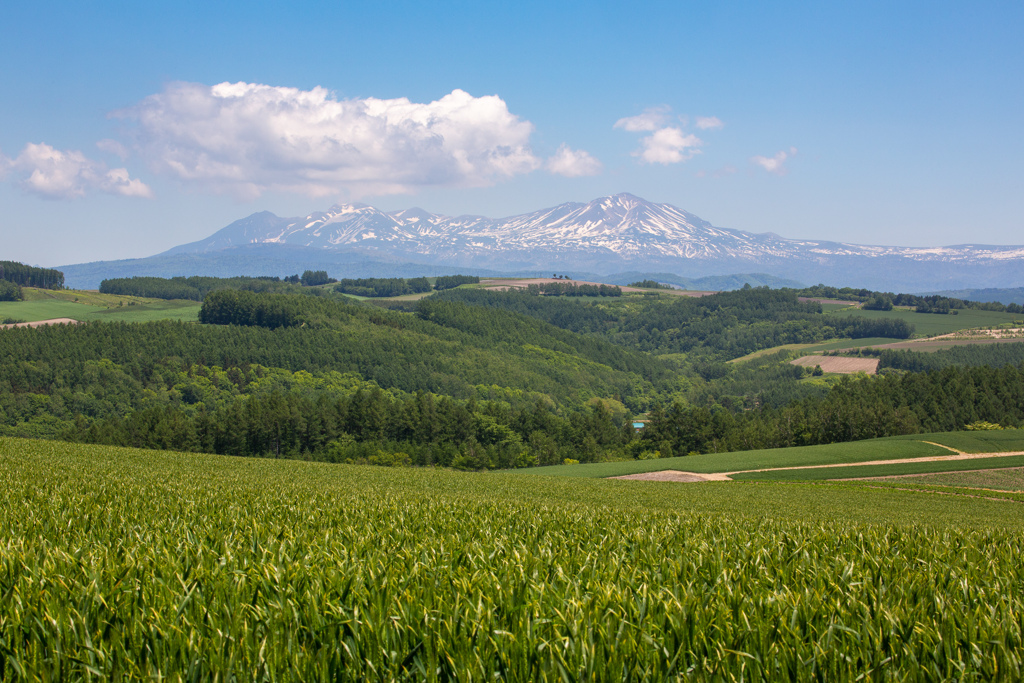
(843, 365)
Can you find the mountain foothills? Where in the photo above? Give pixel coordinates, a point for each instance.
(603, 237)
(458, 375)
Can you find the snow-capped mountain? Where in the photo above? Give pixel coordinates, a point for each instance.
(612, 234)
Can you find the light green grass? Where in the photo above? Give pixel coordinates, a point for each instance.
(982, 441)
(1009, 479)
(889, 448)
(931, 324)
(897, 469)
(801, 456)
(807, 349)
(120, 564)
(92, 306)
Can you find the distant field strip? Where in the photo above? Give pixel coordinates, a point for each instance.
(913, 448)
(139, 311)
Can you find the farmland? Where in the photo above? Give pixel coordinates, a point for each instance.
(84, 306)
(125, 563)
(931, 324)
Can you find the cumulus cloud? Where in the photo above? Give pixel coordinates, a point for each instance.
(248, 138)
(668, 146)
(69, 174)
(708, 123)
(776, 163)
(573, 163)
(651, 119)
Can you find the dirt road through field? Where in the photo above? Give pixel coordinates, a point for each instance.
(681, 476)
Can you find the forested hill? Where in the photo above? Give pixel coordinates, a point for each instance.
(722, 326)
(476, 379)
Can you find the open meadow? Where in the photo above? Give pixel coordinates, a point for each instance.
(121, 563)
(931, 324)
(86, 306)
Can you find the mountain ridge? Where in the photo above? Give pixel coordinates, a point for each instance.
(607, 235)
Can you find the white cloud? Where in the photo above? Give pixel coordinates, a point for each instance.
(651, 119)
(708, 123)
(56, 174)
(247, 138)
(776, 163)
(573, 163)
(668, 146)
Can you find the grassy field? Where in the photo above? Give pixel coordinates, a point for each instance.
(1007, 479)
(128, 564)
(898, 469)
(931, 324)
(889, 448)
(803, 349)
(88, 306)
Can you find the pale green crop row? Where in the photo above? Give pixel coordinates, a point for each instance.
(127, 564)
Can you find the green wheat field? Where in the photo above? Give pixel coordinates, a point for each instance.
(127, 564)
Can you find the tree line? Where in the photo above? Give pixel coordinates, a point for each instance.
(885, 301)
(193, 288)
(31, 276)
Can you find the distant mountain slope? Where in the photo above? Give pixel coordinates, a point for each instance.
(607, 235)
(1011, 295)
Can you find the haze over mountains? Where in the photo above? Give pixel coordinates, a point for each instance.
(606, 236)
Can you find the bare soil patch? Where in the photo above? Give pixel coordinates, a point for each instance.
(839, 364)
(37, 323)
(673, 475)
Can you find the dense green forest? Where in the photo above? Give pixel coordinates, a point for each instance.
(30, 276)
(721, 326)
(473, 378)
(383, 287)
(192, 288)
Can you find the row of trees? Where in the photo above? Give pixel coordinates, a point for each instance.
(452, 281)
(193, 288)
(570, 289)
(31, 276)
(884, 301)
(383, 286)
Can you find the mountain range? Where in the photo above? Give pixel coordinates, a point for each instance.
(600, 238)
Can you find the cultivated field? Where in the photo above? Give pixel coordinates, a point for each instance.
(1008, 479)
(928, 453)
(839, 364)
(932, 324)
(129, 564)
(84, 306)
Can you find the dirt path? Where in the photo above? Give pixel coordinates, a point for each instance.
(681, 476)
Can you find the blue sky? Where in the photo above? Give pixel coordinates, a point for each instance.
(129, 128)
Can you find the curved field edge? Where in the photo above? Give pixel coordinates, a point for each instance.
(887, 448)
(121, 563)
(899, 469)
